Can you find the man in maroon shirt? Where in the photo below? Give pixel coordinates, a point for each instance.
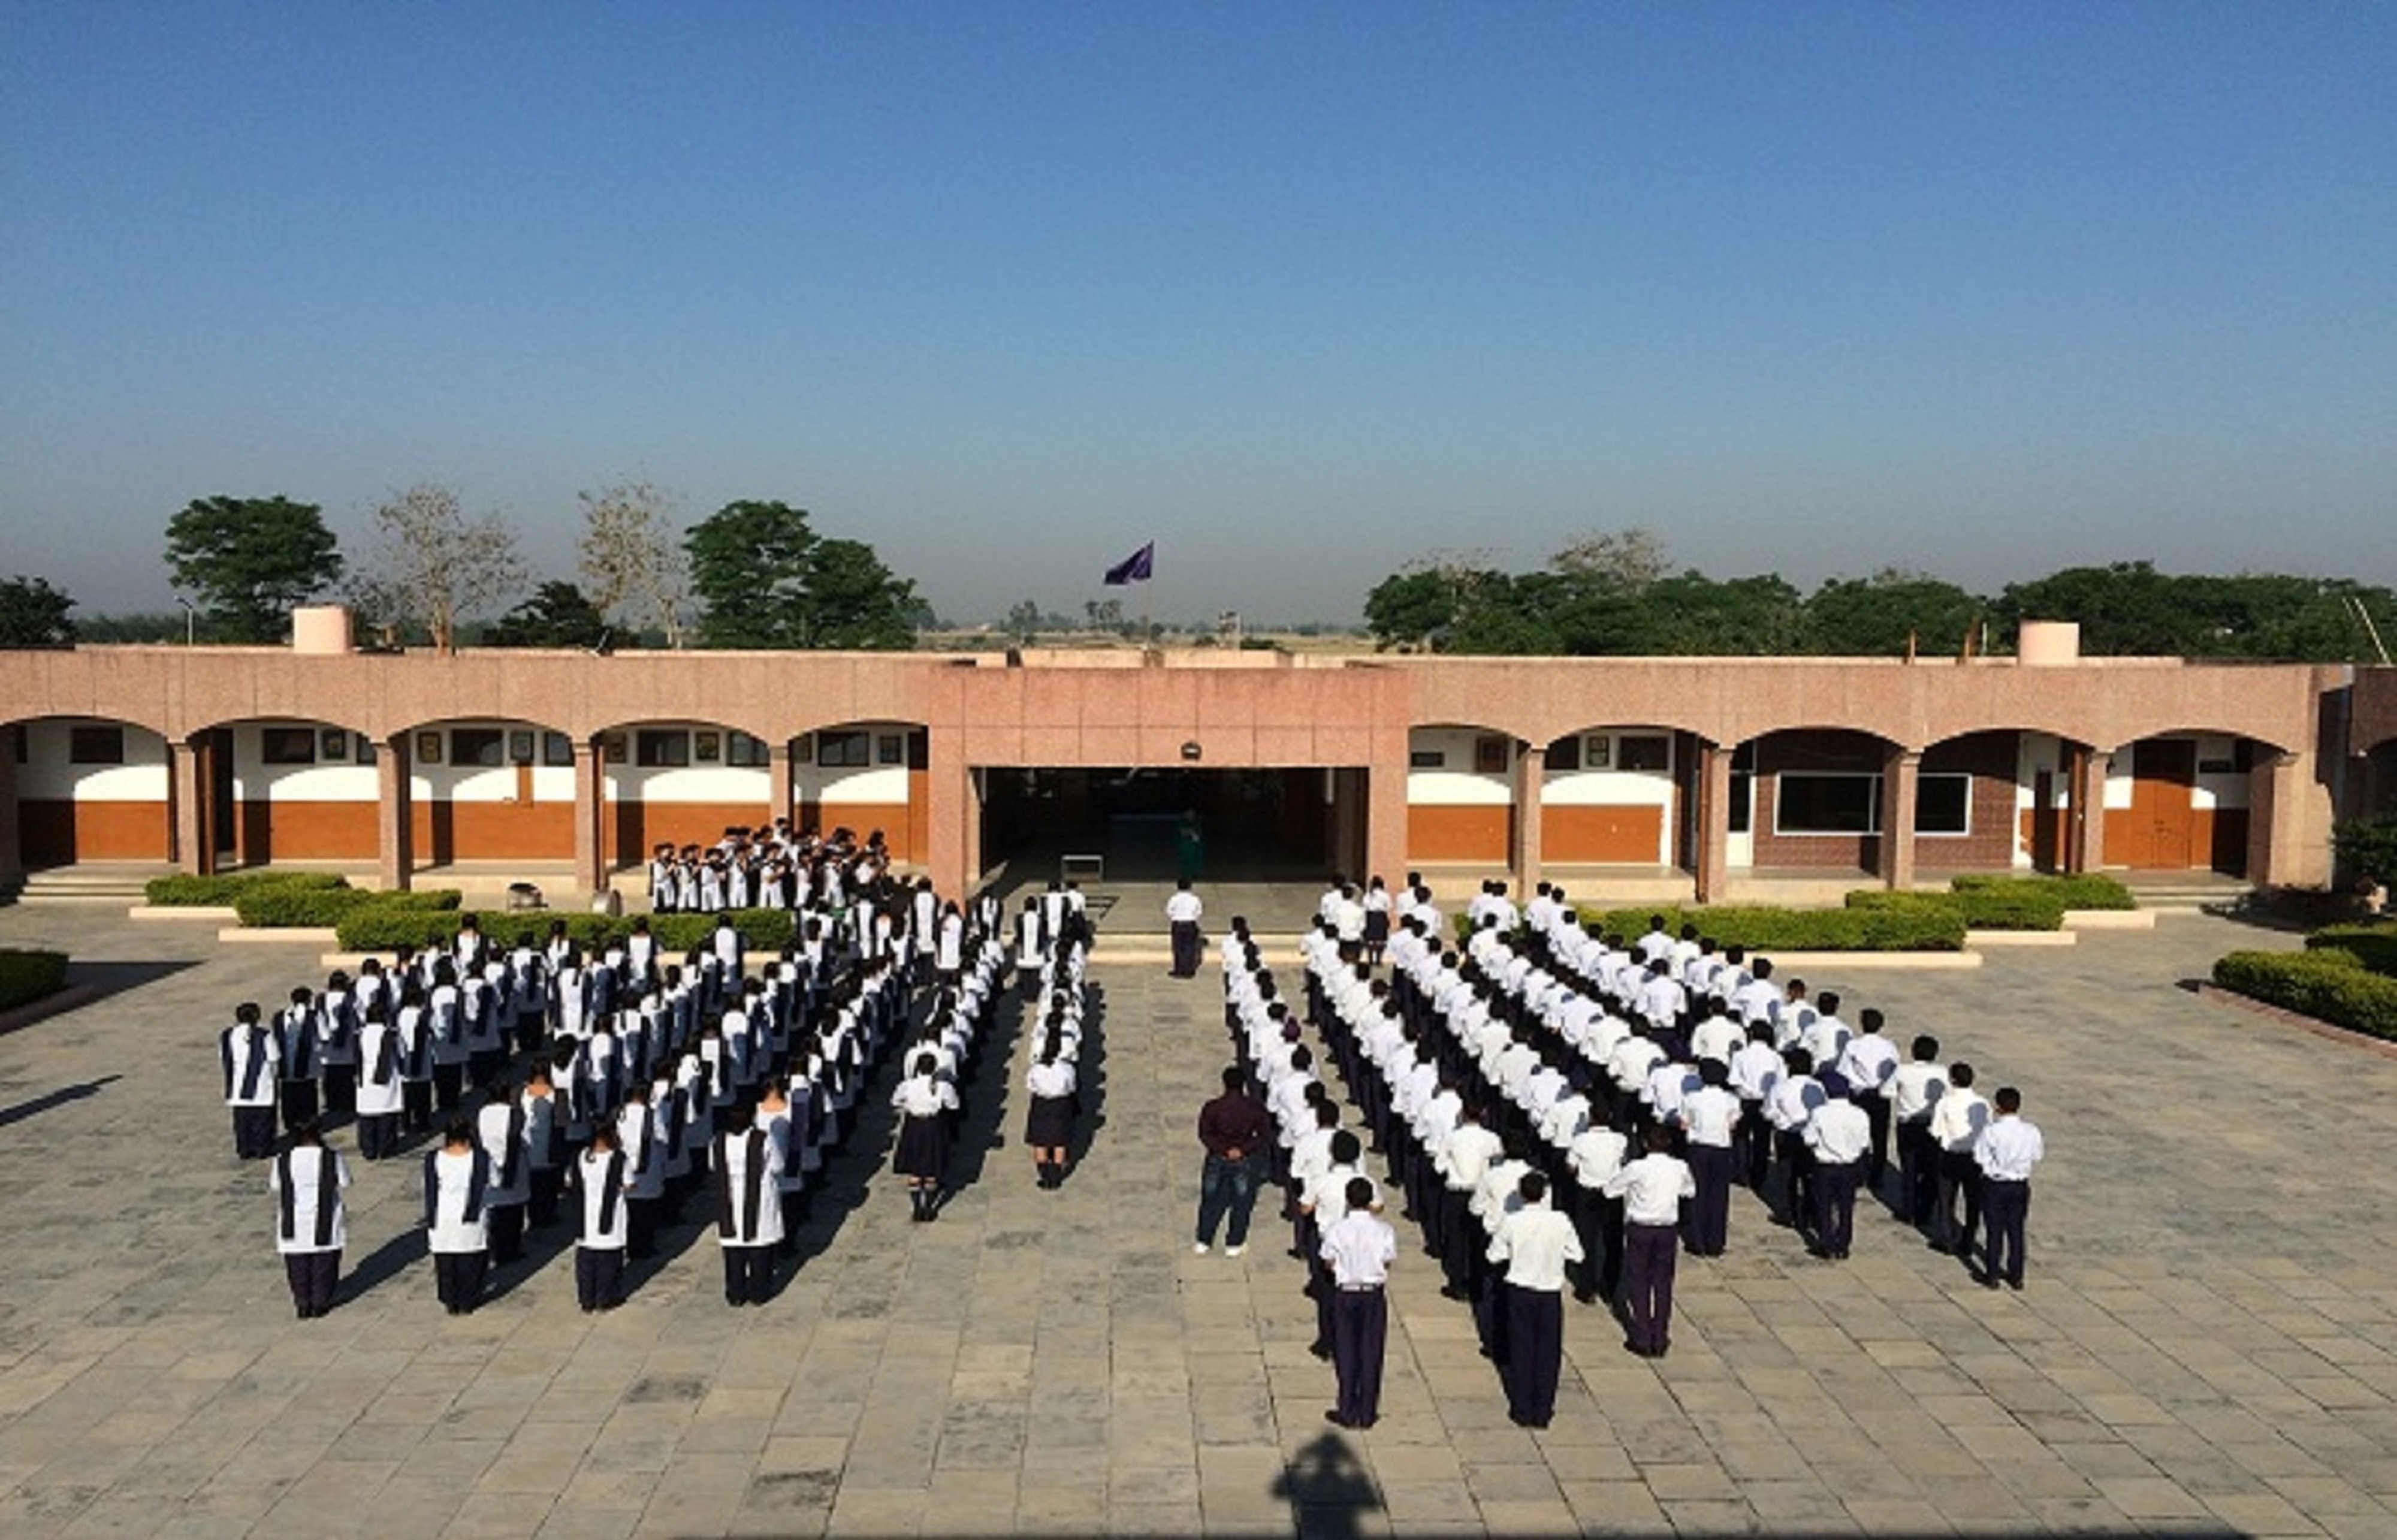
(1237, 1131)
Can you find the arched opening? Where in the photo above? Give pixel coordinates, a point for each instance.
(2180, 801)
(682, 783)
(1460, 795)
(1618, 796)
(863, 776)
(89, 789)
(290, 789)
(1809, 801)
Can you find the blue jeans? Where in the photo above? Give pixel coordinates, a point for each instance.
(1226, 1187)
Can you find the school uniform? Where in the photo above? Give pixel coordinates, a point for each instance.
(337, 1051)
(457, 1217)
(1051, 1086)
(1652, 1189)
(295, 1043)
(449, 1050)
(2006, 1152)
(415, 1030)
(923, 1151)
(637, 1135)
(749, 1217)
(1709, 1115)
(251, 1060)
(312, 1228)
(1358, 1250)
(1914, 1090)
(601, 1179)
(1957, 1119)
(1536, 1245)
(500, 1128)
(1840, 1139)
(545, 1156)
(380, 1094)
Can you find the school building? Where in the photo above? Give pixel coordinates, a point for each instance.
(1717, 775)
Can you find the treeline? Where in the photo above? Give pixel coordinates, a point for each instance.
(1616, 597)
(753, 574)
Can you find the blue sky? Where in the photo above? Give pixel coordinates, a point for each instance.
(1299, 292)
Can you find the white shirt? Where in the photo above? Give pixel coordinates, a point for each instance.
(1913, 1088)
(1652, 1189)
(1958, 1117)
(304, 1166)
(1359, 1249)
(2008, 1149)
(1535, 1242)
(1708, 1113)
(1184, 907)
(1839, 1134)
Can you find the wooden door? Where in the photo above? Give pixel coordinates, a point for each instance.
(2163, 826)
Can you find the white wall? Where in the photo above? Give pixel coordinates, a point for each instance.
(46, 775)
(1455, 783)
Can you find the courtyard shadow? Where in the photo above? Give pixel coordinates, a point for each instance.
(49, 1100)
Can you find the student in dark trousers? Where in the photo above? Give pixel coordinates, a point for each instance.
(295, 1043)
(1357, 1248)
(2006, 1152)
(1536, 1245)
(457, 1178)
(749, 1213)
(1652, 1189)
(307, 1184)
(601, 1179)
(250, 1055)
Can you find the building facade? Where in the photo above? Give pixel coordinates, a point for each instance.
(1709, 769)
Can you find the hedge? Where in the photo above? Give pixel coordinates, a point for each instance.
(2327, 984)
(2008, 908)
(385, 928)
(2373, 945)
(182, 890)
(26, 976)
(283, 907)
(2083, 891)
(1934, 926)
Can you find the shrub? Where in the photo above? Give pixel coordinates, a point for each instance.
(2002, 908)
(26, 976)
(385, 927)
(2373, 945)
(2082, 891)
(2367, 847)
(1899, 927)
(182, 891)
(283, 907)
(2327, 984)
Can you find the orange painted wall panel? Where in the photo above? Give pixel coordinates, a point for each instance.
(1622, 836)
(901, 830)
(307, 830)
(494, 831)
(1480, 834)
(641, 826)
(55, 833)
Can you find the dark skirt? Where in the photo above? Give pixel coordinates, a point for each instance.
(923, 1148)
(1051, 1123)
(1377, 927)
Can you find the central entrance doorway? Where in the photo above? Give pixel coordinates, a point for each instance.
(1148, 824)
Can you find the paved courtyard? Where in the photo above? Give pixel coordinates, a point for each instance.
(2205, 1347)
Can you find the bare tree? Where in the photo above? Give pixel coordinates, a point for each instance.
(435, 566)
(1626, 559)
(630, 557)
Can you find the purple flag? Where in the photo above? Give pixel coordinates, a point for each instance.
(1134, 567)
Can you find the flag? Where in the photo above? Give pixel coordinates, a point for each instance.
(1134, 567)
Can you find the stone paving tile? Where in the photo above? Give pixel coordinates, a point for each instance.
(2204, 1347)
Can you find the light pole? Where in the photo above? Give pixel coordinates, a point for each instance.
(190, 616)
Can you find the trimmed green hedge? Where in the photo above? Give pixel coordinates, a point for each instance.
(286, 908)
(26, 976)
(2327, 984)
(1998, 908)
(1901, 927)
(182, 892)
(2087, 890)
(384, 928)
(2374, 945)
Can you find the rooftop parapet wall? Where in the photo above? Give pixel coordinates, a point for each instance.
(1316, 713)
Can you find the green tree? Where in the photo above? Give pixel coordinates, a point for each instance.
(765, 579)
(35, 614)
(556, 615)
(249, 560)
(1877, 617)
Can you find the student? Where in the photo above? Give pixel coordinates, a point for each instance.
(775, 1115)
(637, 1134)
(1957, 1119)
(1709, 1116)
(500, 1129)
(545, 1135)
(1182, 915)
(600, 1180)
(1051, 1083)
(749, 1214)
(1914, 1091)
(1652, 1189)
(337, 1046)
(1536, 1245)
(456, 1180)
(924, 1099)
(307, 1183)
(2006, 1152)
(1839, 1141)
(251, 1057)
(415, 1028)
(379, 1095)
(1358, 1248)
(295, 1045)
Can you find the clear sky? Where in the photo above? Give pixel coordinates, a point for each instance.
(1298, 291)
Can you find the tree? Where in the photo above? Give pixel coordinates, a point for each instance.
(630, 564)
(35, 614)
(435, 566)
(1024, 620)
(1874, 617)
(249, 560)
(1422, 603)
(1625, 560)
(766, 579)
(558, 615)
(749, 572)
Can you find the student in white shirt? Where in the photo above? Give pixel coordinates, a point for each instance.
(1357, 1251)
(1914, 1091)
(1957, 1119)
(1536, 1245)
(925, 1102)
(2006, 1152)
(1652, 1189)
(456, 1182)
(1050, 1084)
(601, 1178)
(307, 1182)
(250, 1057)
